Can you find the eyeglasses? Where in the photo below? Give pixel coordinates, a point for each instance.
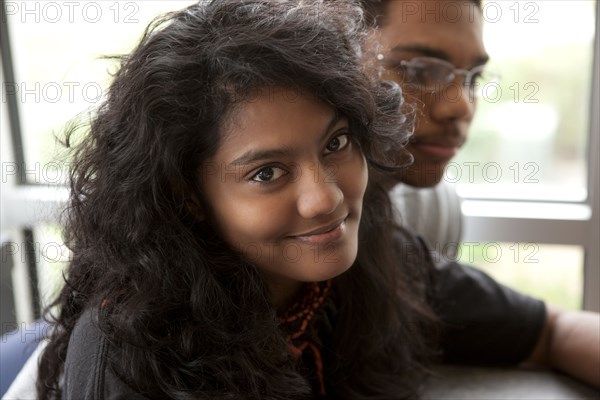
(434, 74)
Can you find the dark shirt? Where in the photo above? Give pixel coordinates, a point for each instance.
(483, 323)
(87, 373)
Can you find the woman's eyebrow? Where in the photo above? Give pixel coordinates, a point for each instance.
(251, 156)
(334, 121)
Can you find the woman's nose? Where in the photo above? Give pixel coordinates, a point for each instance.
(319, 192)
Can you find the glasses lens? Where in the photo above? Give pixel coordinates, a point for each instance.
(429, 73)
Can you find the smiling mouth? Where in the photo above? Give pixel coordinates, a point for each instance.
(325, 234)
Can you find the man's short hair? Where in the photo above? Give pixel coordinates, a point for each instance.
(377, 8)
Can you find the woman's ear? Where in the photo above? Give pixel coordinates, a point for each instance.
(195, 208)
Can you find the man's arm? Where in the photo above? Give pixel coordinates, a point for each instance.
(570, 342)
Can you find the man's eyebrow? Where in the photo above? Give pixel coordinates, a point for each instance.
(437, 53)
(424, 50)
(252, 156)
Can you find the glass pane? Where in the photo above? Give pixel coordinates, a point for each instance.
(57, 49)
(52, 256)
(553, 273)
(530, 133)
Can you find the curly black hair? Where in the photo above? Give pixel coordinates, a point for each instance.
(188, 317)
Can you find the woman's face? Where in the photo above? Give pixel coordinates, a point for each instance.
(285, 188)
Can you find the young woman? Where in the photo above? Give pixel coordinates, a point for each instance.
(226, 241)
(225, 244)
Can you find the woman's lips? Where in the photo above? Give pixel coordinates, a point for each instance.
(324, 238)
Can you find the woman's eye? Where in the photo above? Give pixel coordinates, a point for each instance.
(337, 143)
(268, 174)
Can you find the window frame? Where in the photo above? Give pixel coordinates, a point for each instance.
(579, 223)
(25, 204)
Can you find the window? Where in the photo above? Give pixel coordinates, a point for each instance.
(529, 173)
(59, 69)
(553, 273)
(52, 70)
(539, 167)
(530, 136)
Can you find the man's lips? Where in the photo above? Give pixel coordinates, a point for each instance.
(436, 151)
(324, 234)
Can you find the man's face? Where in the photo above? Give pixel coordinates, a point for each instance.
(445, 30)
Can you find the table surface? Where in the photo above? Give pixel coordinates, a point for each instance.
(476, 383)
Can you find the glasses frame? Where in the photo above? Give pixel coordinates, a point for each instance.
(453, 71)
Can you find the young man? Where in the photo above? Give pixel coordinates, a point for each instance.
(434, 50)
